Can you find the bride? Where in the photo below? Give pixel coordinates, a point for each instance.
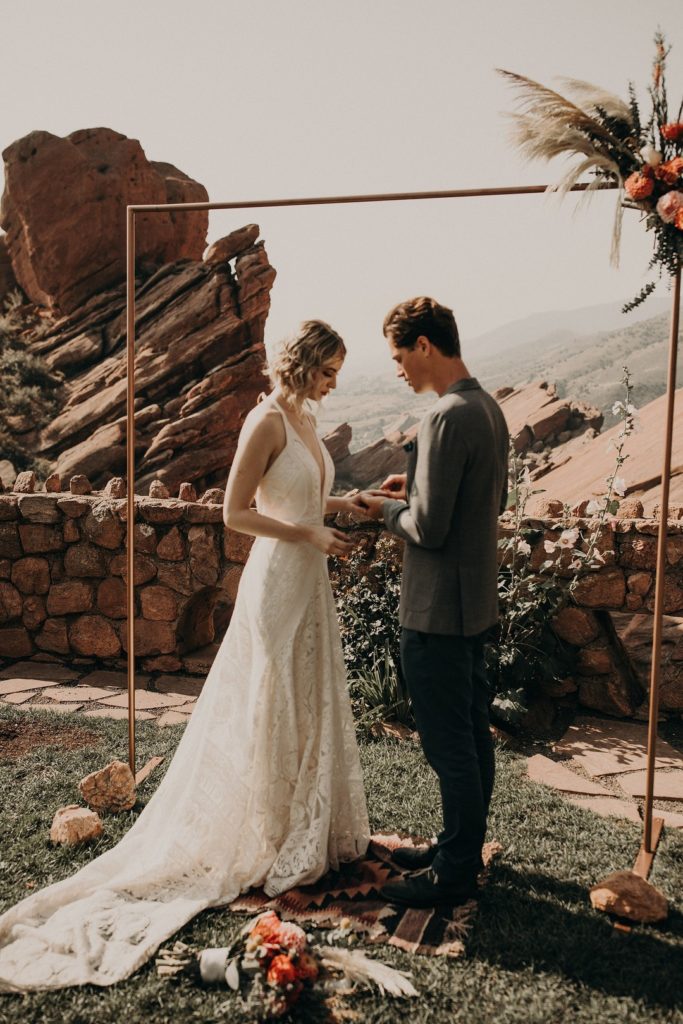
(265, 788)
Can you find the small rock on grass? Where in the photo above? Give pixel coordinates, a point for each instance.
(626, 894)
(112, 788)
(73, 824)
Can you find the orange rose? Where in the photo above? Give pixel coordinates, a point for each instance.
(672, 132)
(639, 186)
(678, 222)
(670, 171)
(282, 971)
(307, 967)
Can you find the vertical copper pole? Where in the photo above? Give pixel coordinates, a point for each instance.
(130, 477)
(661, 567)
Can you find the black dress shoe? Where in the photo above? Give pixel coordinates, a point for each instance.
(414, 858)
(426, 890)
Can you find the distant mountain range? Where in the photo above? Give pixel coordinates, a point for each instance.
(583, 351)
(561, 325)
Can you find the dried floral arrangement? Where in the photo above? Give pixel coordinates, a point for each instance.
(276, 969)
(614, 144)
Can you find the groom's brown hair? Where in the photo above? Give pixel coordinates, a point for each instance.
(405, 323)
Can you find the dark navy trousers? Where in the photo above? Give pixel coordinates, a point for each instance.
(446, 679)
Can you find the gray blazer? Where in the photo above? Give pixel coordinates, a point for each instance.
(457, 487)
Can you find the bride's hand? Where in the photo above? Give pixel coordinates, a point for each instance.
(329, 541)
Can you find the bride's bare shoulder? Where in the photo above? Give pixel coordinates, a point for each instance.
(263, 425)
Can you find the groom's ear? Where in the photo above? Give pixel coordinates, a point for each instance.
(423, 344)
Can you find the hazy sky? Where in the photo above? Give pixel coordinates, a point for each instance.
(277, 98)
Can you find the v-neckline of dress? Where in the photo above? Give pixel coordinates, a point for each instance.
(320, 466)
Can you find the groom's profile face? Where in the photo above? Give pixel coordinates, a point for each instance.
(410, 363)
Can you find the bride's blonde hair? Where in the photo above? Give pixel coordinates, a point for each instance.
(295, 359)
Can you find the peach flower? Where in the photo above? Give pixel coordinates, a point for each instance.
(267, 928)
(678, 222)
(670, 171)
(639, 186)
(669, 205)
(292, 937)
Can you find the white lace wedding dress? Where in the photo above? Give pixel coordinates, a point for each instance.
(265, 788)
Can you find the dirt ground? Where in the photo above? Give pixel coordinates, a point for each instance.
(18, 738)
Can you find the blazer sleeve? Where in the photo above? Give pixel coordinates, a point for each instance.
(441, 460)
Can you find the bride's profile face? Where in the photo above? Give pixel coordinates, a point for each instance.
(324, 378)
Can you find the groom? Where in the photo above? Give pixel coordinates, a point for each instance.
(446, 509)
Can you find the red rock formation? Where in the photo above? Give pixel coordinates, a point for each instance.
(64, 213)
(199, 363)
(583, 475)
(337, 442)
(545, 428)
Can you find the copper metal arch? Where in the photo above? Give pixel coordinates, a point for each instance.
(650, 834)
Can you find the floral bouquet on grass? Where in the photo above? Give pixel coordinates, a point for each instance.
(273, 963)
(613, 143)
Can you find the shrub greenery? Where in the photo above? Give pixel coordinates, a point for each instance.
(29, 390)
(367, 586)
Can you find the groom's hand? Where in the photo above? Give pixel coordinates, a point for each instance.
(395, 486)
(370, 503)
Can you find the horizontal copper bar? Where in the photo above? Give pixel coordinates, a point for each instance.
(378, 197)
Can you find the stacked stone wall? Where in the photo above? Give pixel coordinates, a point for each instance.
(63, 577)
(63, 591)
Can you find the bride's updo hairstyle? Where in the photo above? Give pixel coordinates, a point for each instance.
(296, 359)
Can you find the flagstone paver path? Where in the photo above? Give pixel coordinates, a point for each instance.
(35, 686)
(592, 749)
(614, 753)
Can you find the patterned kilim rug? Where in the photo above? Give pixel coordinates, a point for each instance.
(353, 893)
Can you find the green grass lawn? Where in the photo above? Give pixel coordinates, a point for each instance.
(537, 953)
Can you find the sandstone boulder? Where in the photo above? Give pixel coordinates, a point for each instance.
(214, 496)
(110, 789)
(65, 251)
(606, 589)
(111, 598)
(74, 824)
(115, 488)
(158, 490)
(610, 694)
(576, 625)
(80, 484)
(69, 597)
(53, 637)
(31, 575)
(626, 894)
(338, 440)
(93, 635)
(225, 249)
(372, 464)
(25, 483)
(10, 603)
(171, 547)
(15, 642)
(103, 527)
(186, 492)
(159, 603)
